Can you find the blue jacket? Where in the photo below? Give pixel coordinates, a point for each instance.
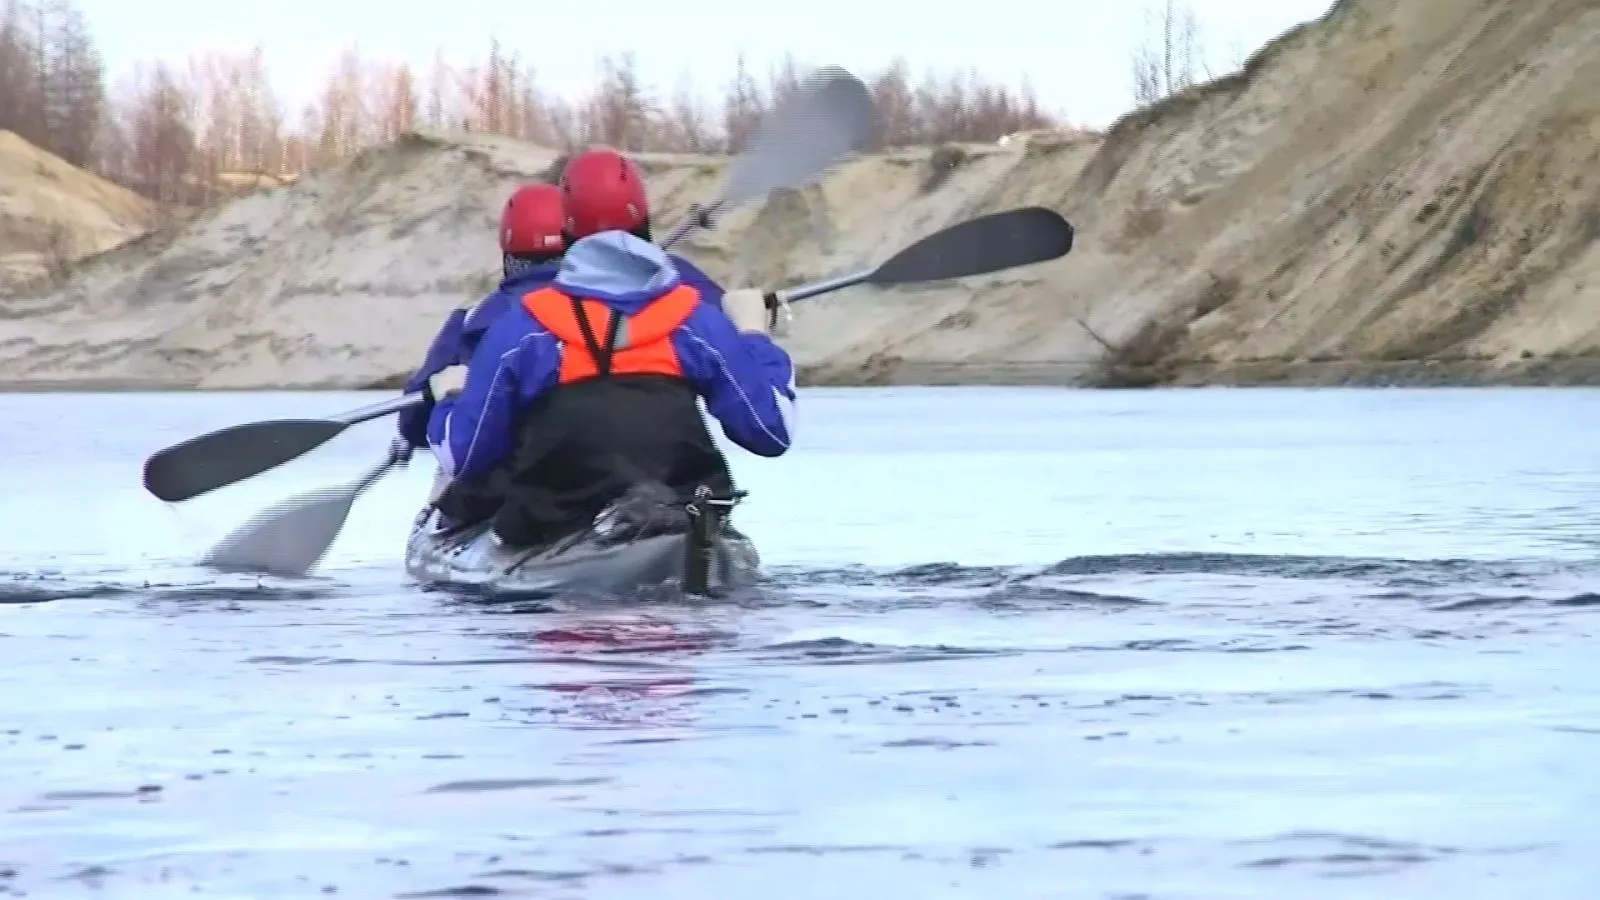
(710, 291)
(462, 330)
(747, 380)
(459, 336)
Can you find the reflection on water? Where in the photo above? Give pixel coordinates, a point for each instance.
(1371, 675)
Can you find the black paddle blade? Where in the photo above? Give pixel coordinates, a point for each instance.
(1004, 240)
(231, 455)
(826, 119)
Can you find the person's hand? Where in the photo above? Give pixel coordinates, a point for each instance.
(447, 382)
(400, 452)
(747, 307)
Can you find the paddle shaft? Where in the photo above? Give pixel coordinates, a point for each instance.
(817, 289)
(379, 410)
(699, 217)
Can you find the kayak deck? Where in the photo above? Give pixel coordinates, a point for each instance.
(639, 544)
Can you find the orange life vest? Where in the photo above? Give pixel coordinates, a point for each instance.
(613, 344)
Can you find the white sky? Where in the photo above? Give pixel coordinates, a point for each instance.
(1075, 51)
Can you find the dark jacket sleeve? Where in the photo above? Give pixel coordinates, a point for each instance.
(513, 364)
(444, 352)
(747, 380)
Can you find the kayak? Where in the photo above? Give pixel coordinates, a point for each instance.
(648, 540)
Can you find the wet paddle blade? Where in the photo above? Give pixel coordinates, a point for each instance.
(991, 243)
(231, 455)
(287, 539)
(291, 537)
(829, 117)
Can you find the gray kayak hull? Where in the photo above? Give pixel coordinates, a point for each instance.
(586, 563)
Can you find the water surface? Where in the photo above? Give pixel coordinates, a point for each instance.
(1030, 643)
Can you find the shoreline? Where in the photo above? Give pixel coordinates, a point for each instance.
(1573, 371)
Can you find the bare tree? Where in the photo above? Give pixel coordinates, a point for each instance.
(438, 92)
(21, 87)
(493, 91)
(173, 133)
(892, 95)
(397, 103)
(623, 115)
(344, 117)
(534, 122)
(687, 125)
(742, 106)
(162, 137)
(1171, 59)
(72, 82)
(260, 125)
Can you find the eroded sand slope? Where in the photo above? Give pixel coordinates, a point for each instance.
(52, 214)
(1404, 188)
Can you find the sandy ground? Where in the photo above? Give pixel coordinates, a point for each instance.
(53, 214)
(1401, 192)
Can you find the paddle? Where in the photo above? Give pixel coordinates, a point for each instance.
(292, 537)
(231, 455)
(992, 243)
(828, 118)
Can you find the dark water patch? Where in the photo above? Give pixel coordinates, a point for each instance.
(465, 890)
(223, 595)
(1353, 856)
(624, 832)
(1474, 604)
(1403, 577)
(935, 743)
(1575, 729)
(93, 877)
(1479, 603)
(947, 574)
(1389, 572)
(546, 602)
(142, 792)
(1249, 644)
(570, 876)
(530, 660)
(624, 637)
(1097, 844)
(21, 590)
(511, 784)
(471, 599)
(841, 651)
(546, 875)
(607, 690)
(1029, 594)
(1424, 691)
(714, 691)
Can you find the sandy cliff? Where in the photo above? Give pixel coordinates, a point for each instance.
(52, 214)
(1405, 189)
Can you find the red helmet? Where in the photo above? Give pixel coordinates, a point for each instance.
(532, 221)
(603, 191)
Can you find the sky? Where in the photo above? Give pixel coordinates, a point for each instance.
(1075, 52)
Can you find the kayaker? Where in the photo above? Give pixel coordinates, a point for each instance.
(531, 244)
(576, 403)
